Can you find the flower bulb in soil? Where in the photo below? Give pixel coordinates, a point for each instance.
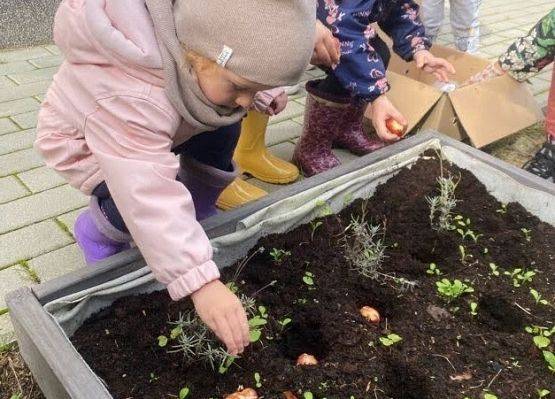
(370, 314)
(247, 393)
(306, 360)
(289, 395)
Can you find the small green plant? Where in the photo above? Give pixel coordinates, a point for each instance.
(465, 257)
(542, 393)
(538, 297)
(549, 357)
(17, 396)
(278, 255)
(494, 269)
(473, 308)
(390, 339)
(313, 227)
(308, 278)
(256, 322)
(284, 322)
(308, 395)
(527, 234)
(520, 276)
(462, 226)
(488, 395)
(541, 335)
(503, 209)
(441, 206)
(152, 378)
(452, 290)
(364, 248)
(184, 392)
(257, 380)
(162, 341)
(433, 270)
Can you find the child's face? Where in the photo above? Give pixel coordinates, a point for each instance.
(221, 86)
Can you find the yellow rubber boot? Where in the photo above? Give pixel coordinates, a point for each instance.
(238, 193)
(253, 157)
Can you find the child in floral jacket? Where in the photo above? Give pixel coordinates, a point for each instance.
(356, 86)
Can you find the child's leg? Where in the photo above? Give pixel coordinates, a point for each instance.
(466, 27)
(432, 15)
(207, 167)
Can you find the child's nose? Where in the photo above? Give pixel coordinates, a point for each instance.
(244, 100)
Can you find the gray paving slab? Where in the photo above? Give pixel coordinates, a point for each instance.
(23, 91)
(17, 141)
(68, 219)
(6, 330)
(26, 120)
(10, 279)
(47, 62)
(59, 262)
(16, 67)
(41, 179)
(36, 75)
(282, 131)
(11, 108)
(30, 241)
(38, 207)
(11, 189)
(19, 161)
(7, 126)
(292, 110)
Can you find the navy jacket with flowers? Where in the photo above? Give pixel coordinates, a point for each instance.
(361, 70)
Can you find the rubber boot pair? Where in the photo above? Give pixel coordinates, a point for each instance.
(97, 237)
(253, 158)
(330, 121)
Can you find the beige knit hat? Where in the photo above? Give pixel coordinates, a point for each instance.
(265, 41)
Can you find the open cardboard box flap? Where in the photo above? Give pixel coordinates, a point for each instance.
(484, 112)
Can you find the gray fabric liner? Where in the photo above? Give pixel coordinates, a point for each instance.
(71, 311)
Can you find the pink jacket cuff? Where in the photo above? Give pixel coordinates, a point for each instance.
(270, 102)
(196, 278)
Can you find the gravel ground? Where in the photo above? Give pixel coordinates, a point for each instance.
(26, 22)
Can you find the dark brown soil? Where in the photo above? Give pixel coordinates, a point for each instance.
(492, 348)
(15, 378)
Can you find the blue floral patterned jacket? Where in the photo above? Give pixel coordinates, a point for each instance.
(361, 69)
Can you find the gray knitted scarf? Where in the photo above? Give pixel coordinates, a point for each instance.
(181, 83)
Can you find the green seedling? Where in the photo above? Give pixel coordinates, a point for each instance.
(485, 251)
(542, 393)
(541, 335)
(465, 258)
(313, 227)
(550, 359)
(390, 339)
(503, 209)
(162, 341)
(17, 396)
(494, 269)
(489, 396)
(278, 255)
(433, 270)
(541, 342)
(257, 380)
(538, 297)
(527, 234)
(441, 206)
(308, 279)
(452, 290)
(184, 392)
(255, 323)
(520, 276)
(473, 308)
(284, 322)
(226, 364)
(152, 378)
(462, 227)
(308, 395)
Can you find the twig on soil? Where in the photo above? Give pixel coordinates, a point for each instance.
(494, 378)
(446, 358)
(15, 375)
(527, 312)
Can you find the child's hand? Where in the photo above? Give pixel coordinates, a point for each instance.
(439, 67)
(379, 112)
(326, 47)
(223, 313)
(491, 71)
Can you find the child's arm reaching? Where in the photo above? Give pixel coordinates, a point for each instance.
(131, 138)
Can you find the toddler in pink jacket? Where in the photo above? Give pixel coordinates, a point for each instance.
(142, 81)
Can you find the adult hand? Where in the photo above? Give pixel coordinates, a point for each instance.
(379, 112)
(326, 47)
(223, 313)
(439, 67)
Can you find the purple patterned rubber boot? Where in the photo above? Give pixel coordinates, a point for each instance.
(96, 237)
(205, 183)
(351, 136)
(313, 152)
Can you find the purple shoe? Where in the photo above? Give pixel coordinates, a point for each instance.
(97, 238)
(205, 183)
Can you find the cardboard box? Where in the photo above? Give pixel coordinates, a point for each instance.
(483, 112)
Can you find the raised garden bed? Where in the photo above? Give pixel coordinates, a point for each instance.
(430, 342)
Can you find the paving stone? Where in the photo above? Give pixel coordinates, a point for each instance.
(6, 83)
(32, 241)
(11, 279)
(282, 131)
(283, 150)
(11, 189)
(316, 73)
(292, 110)
(57, 263)
(22, 91)
(20, 106)
(38, 207)
(41, 179)
(47, 62)
(17, 141)
(19, 161)
(27, 120)
(7, 334)
(68, 219)
(53, 49)
(23, 54)
(299, 119)
(34, 76)
(7, 126)
(15, 67)
(492, 39)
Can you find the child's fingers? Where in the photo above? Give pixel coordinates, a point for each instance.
(235, 326)
(382, 131)
(243, 325)
(321, 56)
(332, 46)
(225, 334)
(399, 117)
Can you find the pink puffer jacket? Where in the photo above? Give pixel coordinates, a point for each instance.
(106, 117)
